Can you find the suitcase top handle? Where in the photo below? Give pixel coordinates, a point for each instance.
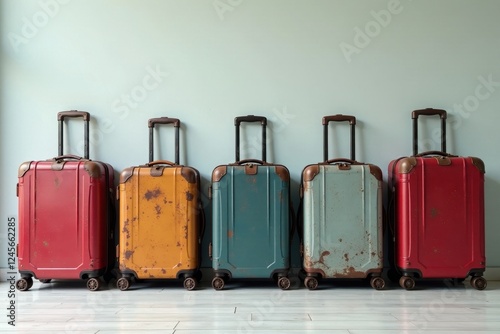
(163, 120)
(73, 114)
(251, 119)
(429, 112)
(339, 118)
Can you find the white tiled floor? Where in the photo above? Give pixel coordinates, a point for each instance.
(254, 307)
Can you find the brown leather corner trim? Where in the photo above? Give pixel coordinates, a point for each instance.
(190, 174)
(25, 166)
(376, 171)
(93, 169)
(126, 174)
(479, 164)
(405, 165)
(251, 169)
(310, 172)
(283, 173)
(218, 173)
(443, 161)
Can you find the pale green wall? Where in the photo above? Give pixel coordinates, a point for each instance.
(288, 60)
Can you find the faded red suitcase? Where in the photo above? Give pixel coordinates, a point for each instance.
(66, 216)
(438, 207)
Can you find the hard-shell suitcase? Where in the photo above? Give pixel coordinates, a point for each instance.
(66, 216)
(437, 204)
(161, 219)
(251, 217)
(341, 216)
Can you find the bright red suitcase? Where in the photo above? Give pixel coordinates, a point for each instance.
(66, 216)
(438, 205)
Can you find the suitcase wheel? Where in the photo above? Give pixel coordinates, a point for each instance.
(218, 283)
(189, 283)
(407, 282)
(311, 283)
(478, 283)
(93, 284)
(284, 283)
(24, 284)
(378, 283)
(48, 280)
(123, 283)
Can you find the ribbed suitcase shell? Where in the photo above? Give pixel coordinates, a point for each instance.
(251, 226)
(63, 215)
(342, 213)
(159, 222)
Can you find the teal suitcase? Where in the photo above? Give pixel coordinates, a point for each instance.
(251, 217)
(341, 204)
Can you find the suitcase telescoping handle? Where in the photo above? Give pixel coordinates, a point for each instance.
(251, 119)
(73, 114)
(339, 118)
(163, 120)
(429, 112)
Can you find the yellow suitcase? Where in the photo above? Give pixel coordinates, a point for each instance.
(161, 219)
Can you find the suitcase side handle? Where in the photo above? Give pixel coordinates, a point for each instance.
(339, 118)
(428, 112)
(73, 114)
(250, 118)
(163, 120)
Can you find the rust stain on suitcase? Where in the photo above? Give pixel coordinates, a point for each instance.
(150, 194)
(178, 244)
(311, 263)
(346, 257)
(163, 271)
(128, 254)
(230, 233)
(350, 272)
(158, 210)
(189, 196)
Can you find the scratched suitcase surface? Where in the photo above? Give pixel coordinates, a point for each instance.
(251, 217)
(438, 207)
(342, 217)
(161, 219)
(66, 216)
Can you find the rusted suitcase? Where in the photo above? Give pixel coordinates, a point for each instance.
(437, 203)
(161, 219)
(342, 217)
(251, 217)
(66, 216)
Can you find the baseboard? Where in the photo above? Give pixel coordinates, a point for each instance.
(491, 273)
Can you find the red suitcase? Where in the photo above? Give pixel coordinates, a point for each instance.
(438, 207)
(66, 216)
